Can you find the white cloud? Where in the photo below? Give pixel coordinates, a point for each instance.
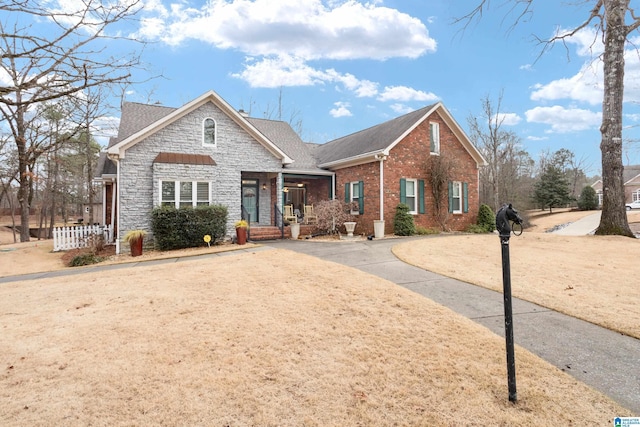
(401, 108)
(537, 138)
(308, 29)
(405, 94)
(508, 119)
(286, 70)
(341, 110)
(587, 84)
(564, 120)
(279, 71)
(526, 67)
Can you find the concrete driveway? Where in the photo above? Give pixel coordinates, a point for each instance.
(581, 227)
(605, 360)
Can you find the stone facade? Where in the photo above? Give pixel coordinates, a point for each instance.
(235, 151)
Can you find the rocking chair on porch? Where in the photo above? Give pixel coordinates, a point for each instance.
(288, 214)
(309, 216)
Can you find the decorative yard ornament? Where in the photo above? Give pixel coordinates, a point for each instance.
(507, 219)
(207, 240)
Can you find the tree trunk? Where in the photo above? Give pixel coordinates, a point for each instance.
(614, 215)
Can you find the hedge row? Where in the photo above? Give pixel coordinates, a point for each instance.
(186, 227)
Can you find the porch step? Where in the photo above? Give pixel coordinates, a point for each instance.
(259, 233)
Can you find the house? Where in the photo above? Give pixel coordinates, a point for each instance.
(631, 180)
(388, 164)
(206, 152)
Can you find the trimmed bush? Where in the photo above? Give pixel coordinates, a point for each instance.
(588, 200)
(186, 227)
(403, 224)
(486, 219)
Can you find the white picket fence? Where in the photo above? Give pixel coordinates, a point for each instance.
(79, 236)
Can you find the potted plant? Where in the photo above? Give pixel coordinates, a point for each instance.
(295, 230)
(350, 226)
(241, 231)
(135, 239)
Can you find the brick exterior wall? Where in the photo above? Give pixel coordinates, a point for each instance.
(409, 159)
(236, 151)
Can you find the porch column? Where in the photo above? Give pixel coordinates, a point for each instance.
(279, 189)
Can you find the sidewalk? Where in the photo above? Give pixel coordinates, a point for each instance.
(581, 227)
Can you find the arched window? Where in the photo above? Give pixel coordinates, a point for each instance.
(209, 132)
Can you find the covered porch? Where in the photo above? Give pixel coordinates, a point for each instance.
(266, 197)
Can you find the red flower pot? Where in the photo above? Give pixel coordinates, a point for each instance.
(136, 246)
(241, 234)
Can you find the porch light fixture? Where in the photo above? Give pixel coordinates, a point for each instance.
(286, 190)
(300, 184)
(264, 186)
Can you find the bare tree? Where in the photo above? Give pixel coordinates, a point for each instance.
(70, 58)
(615, 21)
(501, 149)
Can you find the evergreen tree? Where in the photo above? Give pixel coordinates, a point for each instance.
(553, 189)
(588, 199)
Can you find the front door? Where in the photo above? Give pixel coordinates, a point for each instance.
(250, 198)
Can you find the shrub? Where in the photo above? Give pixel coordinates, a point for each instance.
(475, 228)
(588, 199)
(85, 259)
(403, 224)
(423, 231)
(332, 214)
(186, 227)
(486, 219)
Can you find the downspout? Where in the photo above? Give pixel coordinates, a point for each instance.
(333, 186)
(381, 158)
(116, 195)
(114, 188)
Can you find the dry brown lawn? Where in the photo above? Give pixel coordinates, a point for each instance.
(254, 339)
(588, 277)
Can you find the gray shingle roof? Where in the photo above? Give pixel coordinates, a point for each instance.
(373, 139)
(286, 139)
(135, 117)
(630, 172)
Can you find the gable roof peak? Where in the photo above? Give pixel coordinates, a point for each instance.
(169, 115)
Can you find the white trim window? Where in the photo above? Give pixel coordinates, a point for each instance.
(181, 194)
(355, 196)
(434, 135)
(456, 197)
(209, 132)
(635, 196)
(411, 195)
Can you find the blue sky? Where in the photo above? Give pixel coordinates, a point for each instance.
(346, 65)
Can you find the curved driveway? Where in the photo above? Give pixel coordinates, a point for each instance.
(605, 360)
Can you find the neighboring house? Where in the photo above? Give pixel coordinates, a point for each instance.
(631, 180)
(206, 152)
